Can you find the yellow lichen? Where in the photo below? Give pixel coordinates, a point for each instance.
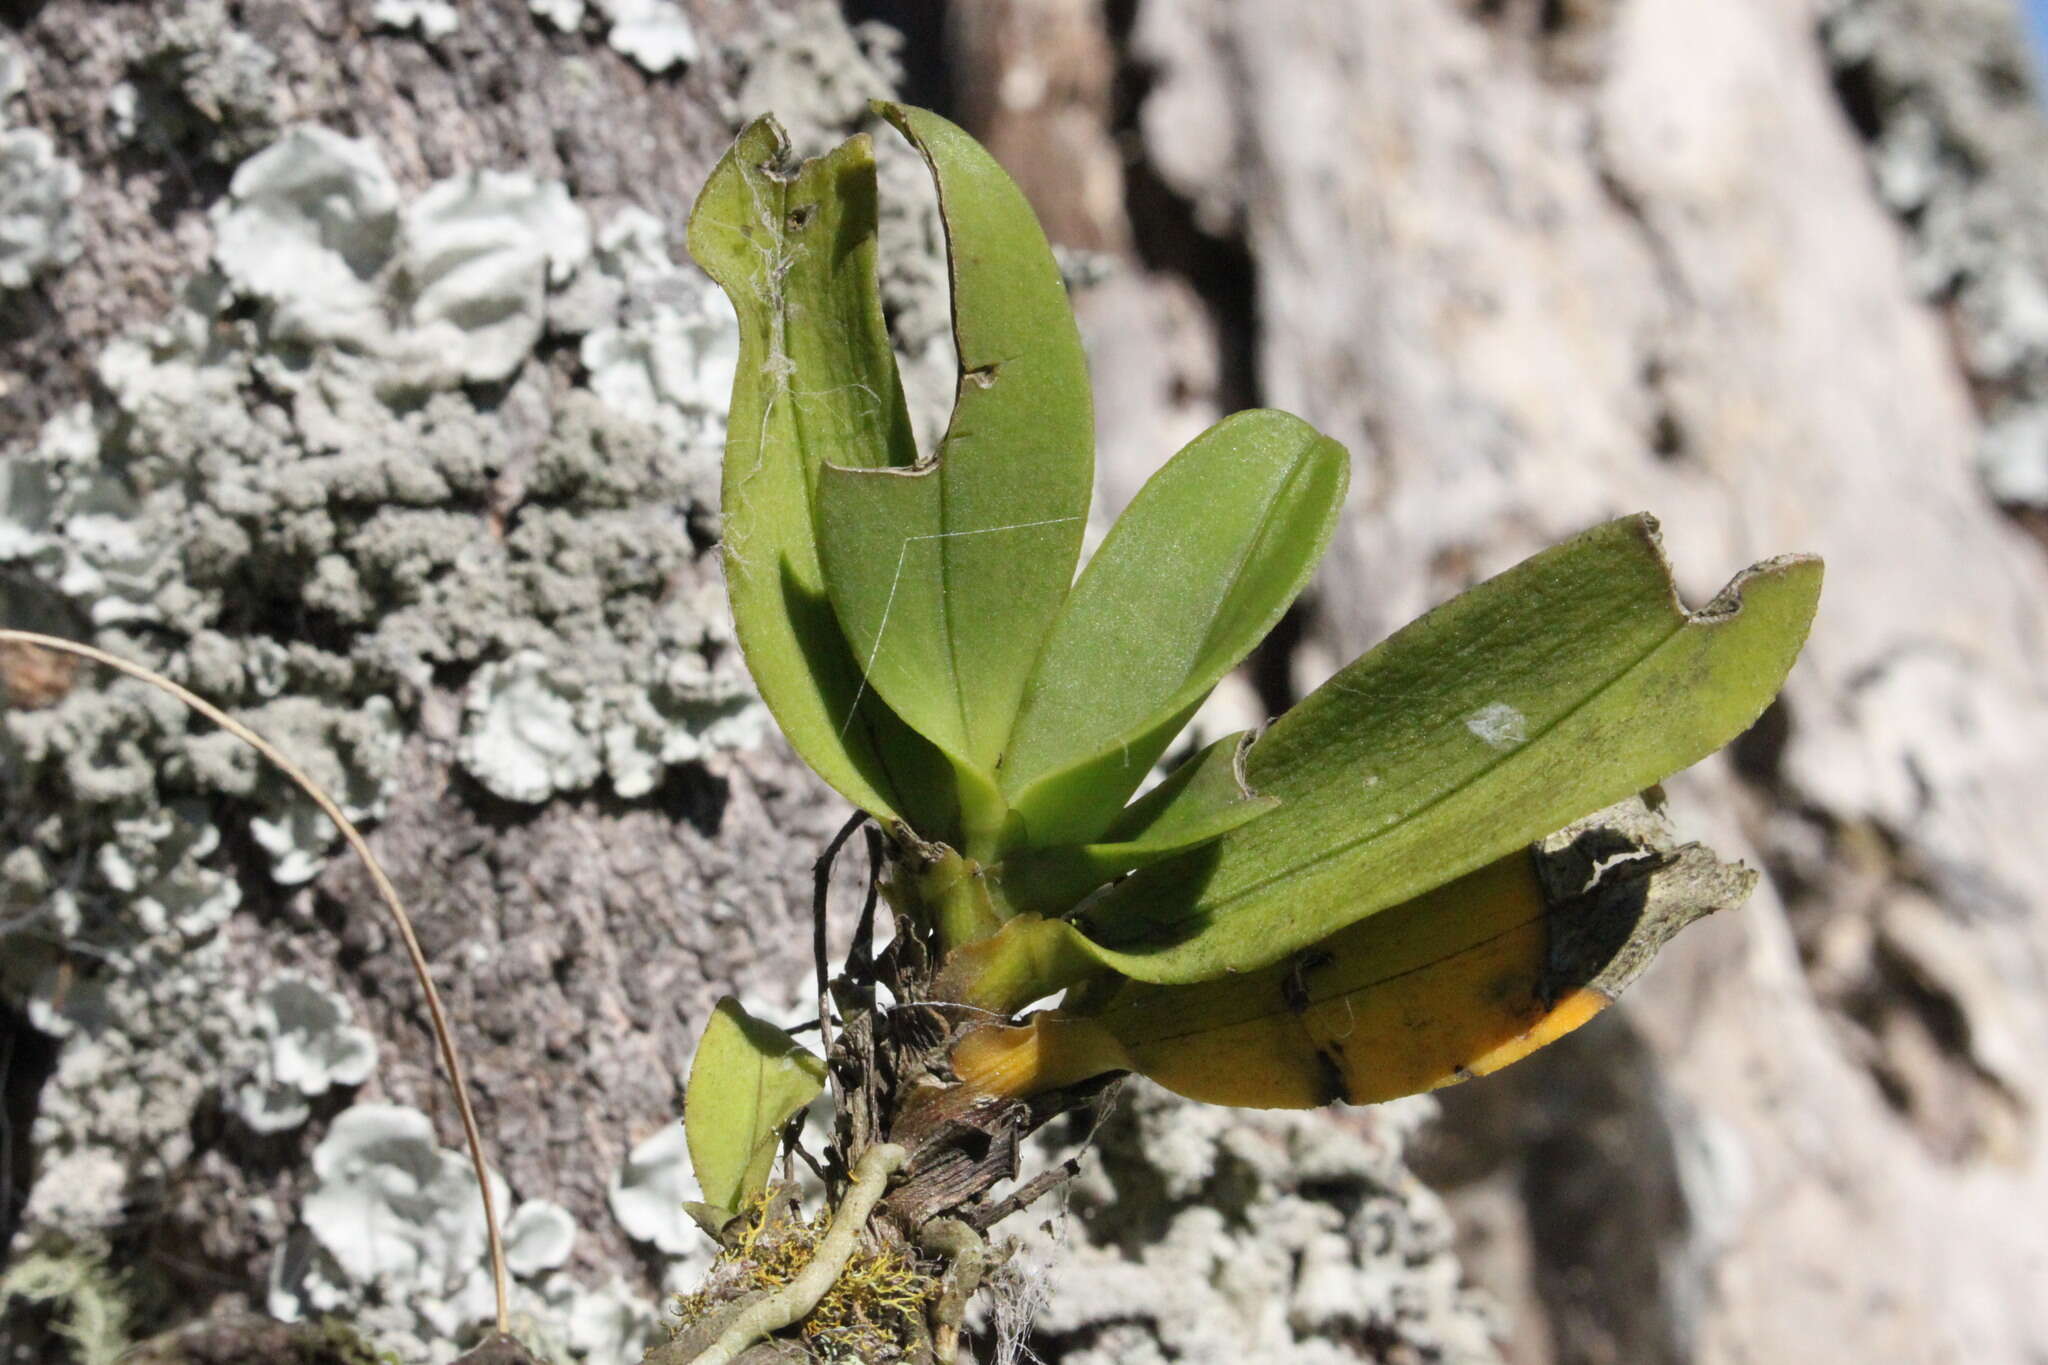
(872, 1312)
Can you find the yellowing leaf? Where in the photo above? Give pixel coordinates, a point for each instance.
(1454, 984)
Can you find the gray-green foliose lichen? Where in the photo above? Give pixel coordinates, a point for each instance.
(290, 501)
(1269, 1237)
(655, 34)
(392, 1233)
(311, 1046)
(353, 464)
(564, 15)
(198, 86)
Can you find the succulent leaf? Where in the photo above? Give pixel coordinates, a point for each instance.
(1457, 983)
(1556, 688)
(1196, 571)
(946, 575)
(816, 380)
(747, 1081)
(1203, 799)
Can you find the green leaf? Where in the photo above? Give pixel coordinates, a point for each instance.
(946, 576)
(1196, 571)
(1557, 688)
(748, 1080)
(816, 378)
(1203, 799)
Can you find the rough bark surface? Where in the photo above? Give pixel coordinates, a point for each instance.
(1537, 265)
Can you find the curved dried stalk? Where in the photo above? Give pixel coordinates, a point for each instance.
(442, 1034)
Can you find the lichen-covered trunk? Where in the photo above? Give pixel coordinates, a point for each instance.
(376, 403)
(349, 372)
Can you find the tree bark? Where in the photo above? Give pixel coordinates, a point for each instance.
(1540, 265)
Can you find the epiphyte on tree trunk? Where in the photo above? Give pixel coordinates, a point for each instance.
(1344, 908)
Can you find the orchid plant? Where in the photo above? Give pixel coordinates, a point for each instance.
(1417, 875)
(1343, 908)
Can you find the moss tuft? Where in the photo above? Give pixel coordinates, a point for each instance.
(335, 1341)
(873, 1312)
(83, 1297)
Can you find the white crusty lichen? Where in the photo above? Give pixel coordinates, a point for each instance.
(523, 741)
(157, 862)
(538, 727)
(450, 288)
(73, 518)
(2013, 455)
(1956, 145)
(433, 19)
(565, 15)
(648, 1193)
(310, 1047)
(607, 1326)
(360, 502)
(145, 1041)
(1274, 1237)
(200, 86)
(688, 710)
(538, 1236)
(662, 682)
(13, 71)
(350, 753)
(74, 522)
(651, 1188)
(655, 34)
(479, 254)
(671, 355)
(307, 226)
(280, 496)
(390, 1207)
(38, 228)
